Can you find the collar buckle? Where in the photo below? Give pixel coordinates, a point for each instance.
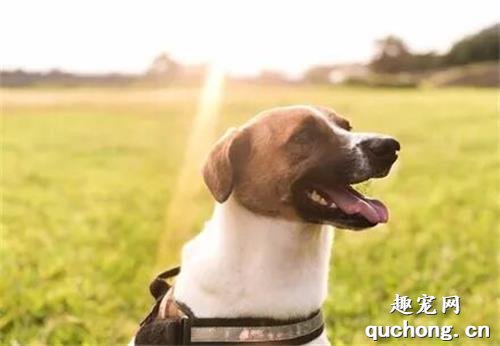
(185, 331)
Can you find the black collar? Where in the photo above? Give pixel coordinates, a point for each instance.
(191, 330)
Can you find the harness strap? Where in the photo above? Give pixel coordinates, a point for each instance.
(171, 322)
(243, 331)
(162, 332)
(158, 287)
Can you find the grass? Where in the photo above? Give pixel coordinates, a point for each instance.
(87, 175)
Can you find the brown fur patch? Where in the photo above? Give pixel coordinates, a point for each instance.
(260, 161)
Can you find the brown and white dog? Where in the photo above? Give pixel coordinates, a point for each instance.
(279, 181)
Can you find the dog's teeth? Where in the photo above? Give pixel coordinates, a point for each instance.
(333, 206)
(316, 197)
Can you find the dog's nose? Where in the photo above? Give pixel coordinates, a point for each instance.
(381, 153)
(380, 147)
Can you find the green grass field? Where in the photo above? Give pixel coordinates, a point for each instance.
(87, 176)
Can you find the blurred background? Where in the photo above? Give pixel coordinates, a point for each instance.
(109, 108)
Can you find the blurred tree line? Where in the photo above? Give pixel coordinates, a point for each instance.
(393, 64)
(393, 56)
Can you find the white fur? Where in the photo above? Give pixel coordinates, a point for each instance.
(246, 265)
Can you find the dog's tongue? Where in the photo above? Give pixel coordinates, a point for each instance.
(352, 202)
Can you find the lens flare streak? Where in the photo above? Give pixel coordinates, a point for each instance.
(179, 221)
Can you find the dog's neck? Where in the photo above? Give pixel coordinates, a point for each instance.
(246, 265)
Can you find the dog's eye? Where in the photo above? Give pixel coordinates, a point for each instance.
(304, 136)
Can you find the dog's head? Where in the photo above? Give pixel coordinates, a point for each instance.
(298, 163)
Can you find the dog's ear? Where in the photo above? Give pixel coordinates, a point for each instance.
(224, 161)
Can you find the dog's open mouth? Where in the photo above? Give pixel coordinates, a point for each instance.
(339, 205)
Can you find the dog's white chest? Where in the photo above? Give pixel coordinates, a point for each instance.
(245, 265)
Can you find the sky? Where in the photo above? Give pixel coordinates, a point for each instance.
(242, 36)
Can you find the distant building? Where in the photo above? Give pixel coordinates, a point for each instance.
(341, 73)
(335, 74)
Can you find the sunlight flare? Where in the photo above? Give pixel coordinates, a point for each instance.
(182, 210)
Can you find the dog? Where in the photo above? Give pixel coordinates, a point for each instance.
(280, 182)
